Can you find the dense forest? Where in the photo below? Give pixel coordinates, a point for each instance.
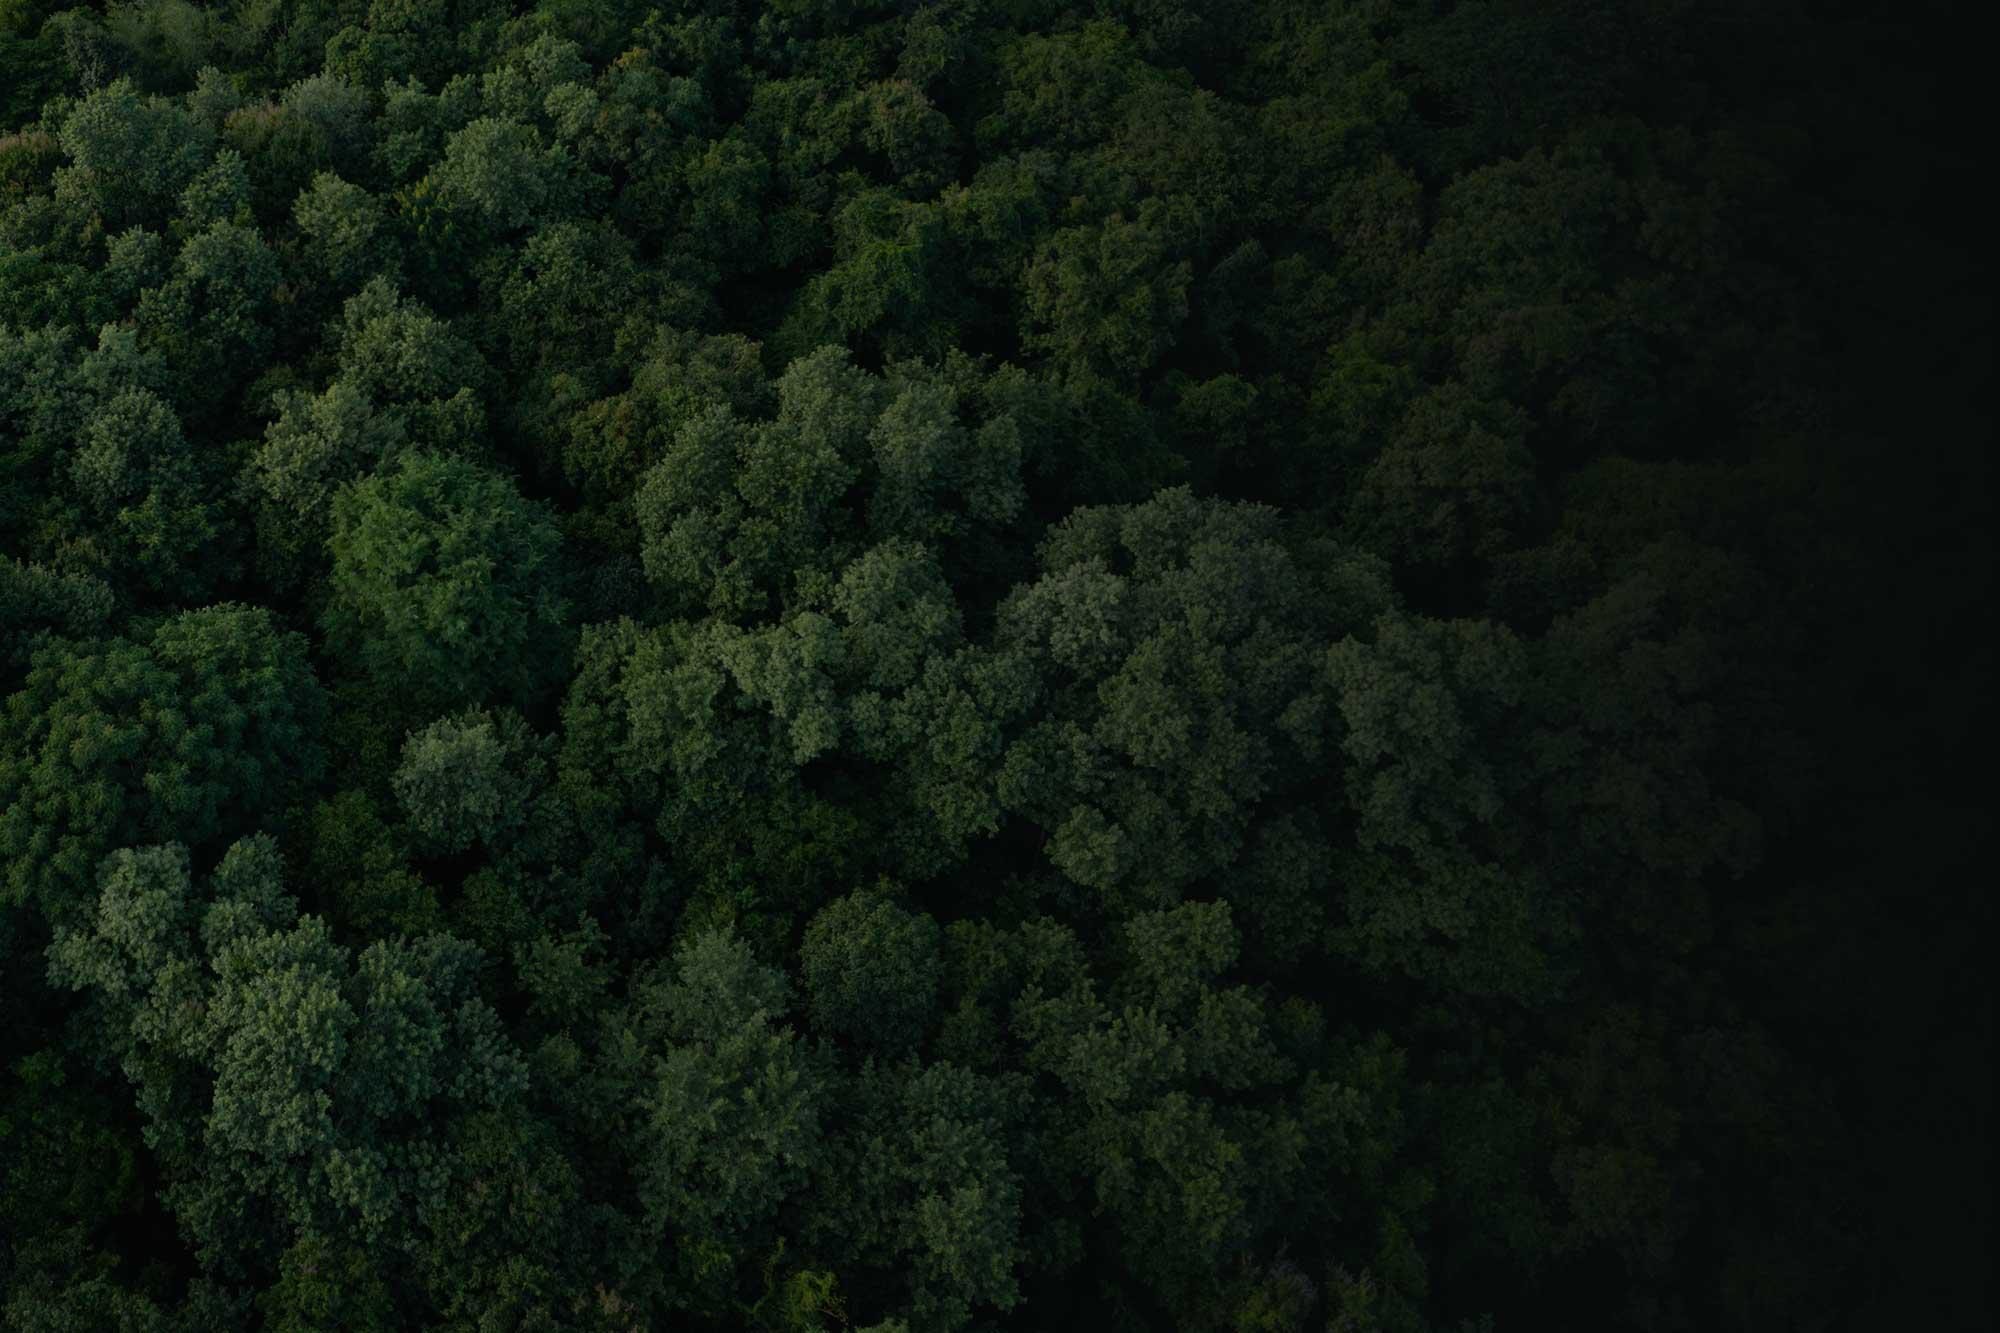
(921, 665)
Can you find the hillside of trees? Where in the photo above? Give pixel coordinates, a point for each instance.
(1257, 666)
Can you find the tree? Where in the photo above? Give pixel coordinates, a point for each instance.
(744, 517)
(1186, 1128)
(344, 229)
(1441, 883)
(734, 515)
(221, 193)
(35, 601)
(395, 351)
(1456, 485)
(1178, 640)
(706, 729)
(357, 866)
(312, 1080)
(202, 730)
(569, 290)
(888, 282)
(1107, 299)
(502, 174)
(144, 513)
(467, 778)
(871, 972)
(729, 1106)
(613, 441)
(444, 583)
(316, 446)
(918, 1184)
(131, 156)
(213, 315)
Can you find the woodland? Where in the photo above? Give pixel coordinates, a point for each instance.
(1246, 666)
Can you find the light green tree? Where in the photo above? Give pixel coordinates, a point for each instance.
(502, 173)
(276, 1066)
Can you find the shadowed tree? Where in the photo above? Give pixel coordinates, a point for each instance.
(202, 730)
(727, 1112)
(1179, 640)
(871, 972)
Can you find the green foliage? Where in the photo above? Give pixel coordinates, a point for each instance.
(1441, 880)
(137, 484)
(221, 193)
(739, 517)
(213, 314)
(466, 779)
(201, 730)
(343, 229)
(1180, 639)
(316, 446)
(730, 1107)
(988, 664)
(35, 601)
(34, 66)
(871, 972)
(130, 156)
(444, 586)
(921, 1186)
(315, 1061)
(395, 351)
(614, 440)
(1107, 299)
(361, 868)
(500, 173)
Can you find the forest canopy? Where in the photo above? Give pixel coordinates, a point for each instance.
(932, 665)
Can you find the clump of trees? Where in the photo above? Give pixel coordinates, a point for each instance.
(954, 666)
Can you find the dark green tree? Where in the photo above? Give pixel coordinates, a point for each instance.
(445, 586)
(871, 972)
(203, 729)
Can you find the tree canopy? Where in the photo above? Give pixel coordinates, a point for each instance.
(971, 665)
